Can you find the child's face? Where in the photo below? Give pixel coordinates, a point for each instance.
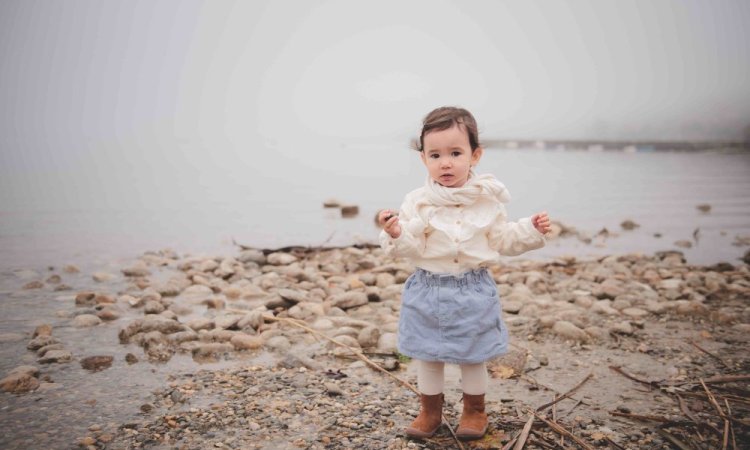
(448, 157)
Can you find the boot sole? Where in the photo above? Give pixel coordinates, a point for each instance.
(471, 435)
(418, 434)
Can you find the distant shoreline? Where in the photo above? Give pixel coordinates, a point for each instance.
(615, 145)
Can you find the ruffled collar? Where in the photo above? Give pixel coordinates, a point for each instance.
(476, 187)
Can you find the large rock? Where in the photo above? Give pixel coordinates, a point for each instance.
(348, 300)
(19, 382)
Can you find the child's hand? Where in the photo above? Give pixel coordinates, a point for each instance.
(388, 220)
(541, 222)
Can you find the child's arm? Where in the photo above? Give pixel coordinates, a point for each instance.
(403, 233)
(514, 238)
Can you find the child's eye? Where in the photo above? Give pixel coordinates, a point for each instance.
(434, 156)
(456, 153)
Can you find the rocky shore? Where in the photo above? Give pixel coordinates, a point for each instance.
(646, 328)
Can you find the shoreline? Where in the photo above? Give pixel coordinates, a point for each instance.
(193, 363)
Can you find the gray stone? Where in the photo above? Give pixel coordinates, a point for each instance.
(101, 277)
(19, 382)
(86, 320)
(293, 296)
(56, 356)
(153, 307)
(253, 319)
(212, 349)
(636, 313)
(348, 300)
(41, 341)
(201, 323)
(512, 306)
(569, 331)
(623, 327)
(387, 343)
(279, 343)
(368, 337)
(280, 259)
(252, 255)
(243, 341)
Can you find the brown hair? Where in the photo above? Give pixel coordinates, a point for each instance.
(445, 117)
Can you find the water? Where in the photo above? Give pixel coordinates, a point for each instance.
(260, 207)
(275, 200)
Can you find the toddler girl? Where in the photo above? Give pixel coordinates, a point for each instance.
(452, 228)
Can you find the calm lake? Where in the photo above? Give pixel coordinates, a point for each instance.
(273, 197)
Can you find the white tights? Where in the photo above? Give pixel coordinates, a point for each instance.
(431, 377)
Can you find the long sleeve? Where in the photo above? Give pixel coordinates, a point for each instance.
(411, 243)
(514, 238)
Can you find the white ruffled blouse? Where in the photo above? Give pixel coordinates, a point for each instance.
(453, 230)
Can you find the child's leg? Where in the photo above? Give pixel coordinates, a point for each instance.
(474, 378)
(430, 377)
(474, 421)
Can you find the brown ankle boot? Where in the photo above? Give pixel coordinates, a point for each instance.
(429, 419)
(473, 422)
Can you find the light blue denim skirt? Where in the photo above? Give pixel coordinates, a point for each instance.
(451, 318)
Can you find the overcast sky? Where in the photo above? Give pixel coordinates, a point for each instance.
(225, 71)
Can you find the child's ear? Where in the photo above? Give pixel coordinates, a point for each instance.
(476, 155)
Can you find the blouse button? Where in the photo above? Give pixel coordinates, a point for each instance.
(458, 222)
(456, 240)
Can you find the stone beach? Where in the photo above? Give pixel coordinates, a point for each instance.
(227, 374)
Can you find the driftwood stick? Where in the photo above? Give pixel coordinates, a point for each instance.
(643, 418)
(726, 379)
(653, 384)
(531, 380)
(567, 394)
(563, 432)
(686, 411)
(524, 434)
(365, 359)
(667, 435)
(712, 399)
(724, 363)
(729, 413)
(510, 443)
(613, 443)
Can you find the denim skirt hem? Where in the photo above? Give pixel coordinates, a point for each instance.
(451, 318)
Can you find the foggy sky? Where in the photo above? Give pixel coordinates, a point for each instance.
(134, 71)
